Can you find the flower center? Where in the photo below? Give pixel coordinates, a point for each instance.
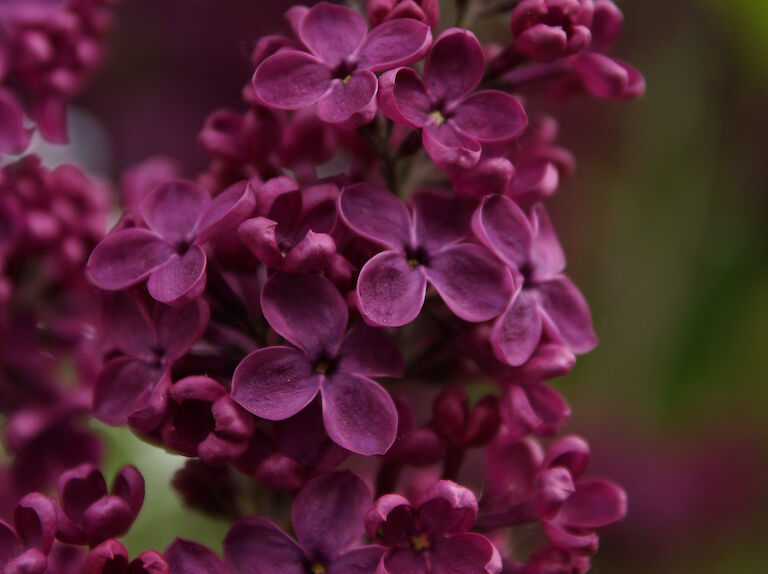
(317, 568)
(439, 117)
(325, 365)
(182, 247)
(415, 256)
(344, 71)
(420, 542)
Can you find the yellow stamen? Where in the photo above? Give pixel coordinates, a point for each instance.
(346, 80)
(413, 263)
(321, 368)
(317, 568)
(420, 543)
(438, 116)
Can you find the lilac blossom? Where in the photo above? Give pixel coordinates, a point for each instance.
(111, 557)
(456, 121)
(25, 545)
(277, 382)
(327, 516)
(338, 70)
(379, 11)
(546, 30)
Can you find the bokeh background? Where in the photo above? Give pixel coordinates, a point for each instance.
(666, 228)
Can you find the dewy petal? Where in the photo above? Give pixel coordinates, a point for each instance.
(313, 253)
(389, 292)
(359, 415)
(449, 148)
(358, 561)
(227, 210)
(275, 383)
(517, 332)
(307, 310)
(376, 214)
(596, 503)
(126, 257)
(173, 210)
(122, 385)
(439, 220)
(258, 234)
(403, 97)
(464, 554)
(185, 557)
(14, 137)
(547, 255)
(399, 42)
(332, 32)
(328, 513)
(290, 80)
(568, 310)
(181, 279)
(503, 227)
(473, 284)
(370, 352)
(454, 66)
(256, 546)
(350, 103)
(178, 328)
(491, 117)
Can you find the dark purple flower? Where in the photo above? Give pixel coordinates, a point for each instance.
(133, 387)
(547, 296)
(277, 382)
(24, 546)
(456, 123)
(420, 248)
(88, 514)
(293, 235)
(431, 537)
(180, 217)
(546, 30)
(186, 557)
(338, 71)
(379, 11)
(111, 557)
(327, 516)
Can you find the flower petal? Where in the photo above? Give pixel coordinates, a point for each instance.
(122, 385)
(328, 513)
(491, 176)
(454, 66)
(359, 414)
(473, 284)
(358, 561)
(14, 137)
(256, 546)
(399, 42)
(290, 80)
(534, 408)
(185, 557)
(350, 103)
(108, 517)
(609, 78)
(403, 97)
(569, 311)
(126, 257)
(517, 332)
(79, 488)
(504, 229)
(178, 328)
(373, 212)
(448, 508)
(465, 553)
(181, 279)
(227, 210)
(439, 219)
(35, 521)
(547, 257)
(275, 383)
(596, 503)
(450, 148)
(258, 234)
(307, 310)
(370, 352)
(512, 466)
(332, 32)
(389, 292)
(129, 485)
(313, 253)
(491, 117)
(173, 209)
(399, 560)
(127, 325)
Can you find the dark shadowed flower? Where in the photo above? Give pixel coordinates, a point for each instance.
(25, 545)
(338, 71)
(420, 248)
(111, 557)
(277, 382)
(432, 536)
(327, 516)
(456, 121)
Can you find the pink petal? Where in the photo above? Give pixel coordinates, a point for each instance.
(533, 408)
(578, 542)
(473, 284)
(399, 42)
(542, 42)
(448, 508)
(173, 210)
(127, 325)
(79, 488)
(403, 97)
(439, 220)
(359, 415)
(313, 253)
(512, 466)
(275, 383)
(178, 328)
(455, 65)
(389, 292)
(185, 557)
(108, 517)
(14, 137)
(256, 546)
(606, 26)
(373, 212)
(450, 148)
(104, 556)
(307, 310)
(258, 234)
(491, 117)
(503, 227)
(609, 78)
(50, 115)
(401, 560)
(566, 307)
(370, 352)
(358, 561)
(129, 485)
(270, 191)
(122, 384)
(227, 210)
(35, 521)
(547, 255)
(332, 32)
(571, 452)
(464, 553)
(126, 257)
(553, 487)
(517, 332)
(596, 503)
(351, 102)
(290, 80)
(489, 177)
(181, 279)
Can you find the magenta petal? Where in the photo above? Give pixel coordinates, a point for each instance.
(227, 210)
(534, 408)
(609, 78)
(258, 234)
(31, 561)
(491, 117)
(402, 560)
(503, 227)
(126, 257)
(489, 177)
(256, 546)
(122, 385)
(307, 310)
(395, 43)
(79, 488)
(596, 503)
(370, 352)
(332, 32)
(351, 102)
(455, 65)
(35, 521)
(108, 517)
(126, 324)
(439, 219)
(359, 415)
(575, 542)
(568, 309)
(173, 209)
(516, 333)
(181, 279)
(449, 148)
(313, 253)
(376, 214)
(275, 383)
(403, 97)
(104, 557)
(358, 561)
(185, 557)
(512, 466)
(328, 513)
(448, 508)
(473, 284)
(571, 452)
(290, 80)
(465, 553)
(553, 487)
(389, 292)
(178, 328)
(50, 115)
(547, 255)
(14, 137)
(129, 485)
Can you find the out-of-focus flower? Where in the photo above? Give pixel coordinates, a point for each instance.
(379, 11)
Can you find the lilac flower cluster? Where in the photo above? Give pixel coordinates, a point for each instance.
(359, 304)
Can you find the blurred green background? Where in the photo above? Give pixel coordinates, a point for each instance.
(665, 225)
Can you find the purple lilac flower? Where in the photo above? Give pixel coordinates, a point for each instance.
(111, 557)
(338, 71)
(180, 216)
(380, 11)
(431, 536)
(546, 30)
(456, 121)
(25, 545)
(460, 425)
(426, 247)
(277, 382)
(327, 516)
(88, 514)
(547, 296)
